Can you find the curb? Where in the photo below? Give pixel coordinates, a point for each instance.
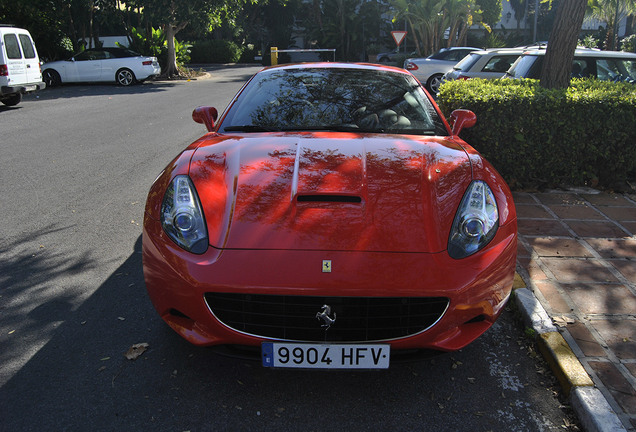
(589, 404)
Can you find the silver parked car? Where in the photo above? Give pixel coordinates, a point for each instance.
(617, 66)
(429, 70)
(486, 64)
(101, 64)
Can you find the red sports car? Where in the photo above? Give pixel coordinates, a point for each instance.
(330, 219)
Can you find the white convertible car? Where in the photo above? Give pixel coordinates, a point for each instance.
(101, 64)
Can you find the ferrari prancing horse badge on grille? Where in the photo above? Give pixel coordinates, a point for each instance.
(326, 266)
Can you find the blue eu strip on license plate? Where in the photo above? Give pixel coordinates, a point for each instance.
(325, 356)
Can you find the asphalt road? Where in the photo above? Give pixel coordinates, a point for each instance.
(76, 163)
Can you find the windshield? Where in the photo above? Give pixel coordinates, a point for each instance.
(342, 99)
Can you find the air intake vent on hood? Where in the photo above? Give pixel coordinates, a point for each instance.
(329, 198)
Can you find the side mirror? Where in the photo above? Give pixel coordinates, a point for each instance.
(205, 115)
(462, 119)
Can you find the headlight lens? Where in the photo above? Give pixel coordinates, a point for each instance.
(476, 221)
(181, 216)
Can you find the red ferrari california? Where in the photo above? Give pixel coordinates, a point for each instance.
(331, 218)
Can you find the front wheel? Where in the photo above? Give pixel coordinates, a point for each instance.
(51, 78)
(125, 77)
(433, 83)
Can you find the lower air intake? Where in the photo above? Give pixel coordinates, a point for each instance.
(357, 319)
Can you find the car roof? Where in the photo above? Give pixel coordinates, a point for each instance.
(515, 50)
(332, 65)
(588, 52)
(458, 47)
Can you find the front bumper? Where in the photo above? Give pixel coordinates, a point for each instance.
(476, 287)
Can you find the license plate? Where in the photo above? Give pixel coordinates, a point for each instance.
(325, 356)
(29, 88)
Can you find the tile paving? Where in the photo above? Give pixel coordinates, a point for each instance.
(577, 252)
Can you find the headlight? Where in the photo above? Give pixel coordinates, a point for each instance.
(475, 223)
(182, 218)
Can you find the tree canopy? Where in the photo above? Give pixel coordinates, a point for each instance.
(350, 26)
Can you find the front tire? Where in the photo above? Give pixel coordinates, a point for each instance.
(51, 78)
(433, 83)
(13, 99)
(125, 77)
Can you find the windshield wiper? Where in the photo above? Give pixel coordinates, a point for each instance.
(250, 128)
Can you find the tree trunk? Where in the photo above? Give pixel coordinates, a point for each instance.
(171, 67)
(415, 38)
(171, 31)
(90, 28)
(72, 29)
(557, 64)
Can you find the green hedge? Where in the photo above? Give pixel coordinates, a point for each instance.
(215, 51)
(585, 135)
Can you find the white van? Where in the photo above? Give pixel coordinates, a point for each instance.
(19, 65)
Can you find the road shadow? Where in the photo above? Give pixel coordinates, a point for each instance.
(30, 275)
(74, 90)
(80, 380)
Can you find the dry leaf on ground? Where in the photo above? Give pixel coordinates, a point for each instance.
(563, 321)
(135, 351)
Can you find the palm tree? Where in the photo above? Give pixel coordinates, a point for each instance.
(461, 14)
(610, 12)
(426, 18)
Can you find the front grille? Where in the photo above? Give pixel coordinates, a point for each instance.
(358, 319)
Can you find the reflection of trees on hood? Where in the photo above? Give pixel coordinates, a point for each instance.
(390, 180)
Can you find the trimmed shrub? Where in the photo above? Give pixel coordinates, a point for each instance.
(215, 51)
(535, 138)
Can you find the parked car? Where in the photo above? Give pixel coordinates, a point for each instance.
(330, 219)
(391, 56)
(102, 64)
(430, 70)
(19, 65)
(388, 57)
(588, 63)
(486, 64)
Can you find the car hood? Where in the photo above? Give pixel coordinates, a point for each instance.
(330, 191)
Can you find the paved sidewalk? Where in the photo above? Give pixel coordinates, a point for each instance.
(577, 253)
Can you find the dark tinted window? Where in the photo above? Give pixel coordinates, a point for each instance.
(500, 63)
(333, 98)
(526, 66)
(450, 55)
(456, 55)
(12, 47)
(440, 55)
(27, 46)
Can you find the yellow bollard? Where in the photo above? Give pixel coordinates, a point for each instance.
(274, 54)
